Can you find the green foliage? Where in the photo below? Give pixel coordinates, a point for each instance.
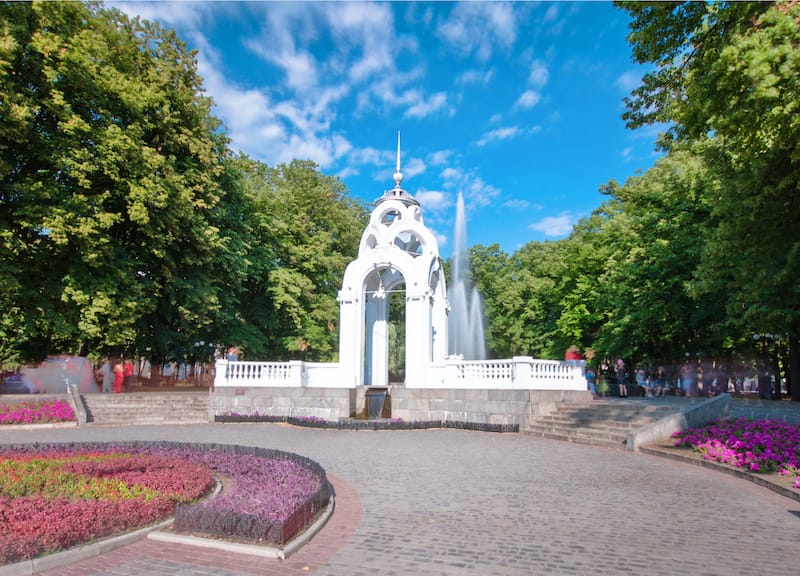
(702, 250)
(726, 79)
(305, 230)
(109, 168)
(125, 223)
(520, 297)
(620, 283)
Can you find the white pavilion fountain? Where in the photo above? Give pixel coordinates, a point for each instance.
(398, 254)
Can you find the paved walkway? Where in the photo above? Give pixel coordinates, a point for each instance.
(448, 502)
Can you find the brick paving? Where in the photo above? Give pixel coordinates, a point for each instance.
(449, 502)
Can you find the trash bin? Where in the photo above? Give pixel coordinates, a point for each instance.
(375, 400)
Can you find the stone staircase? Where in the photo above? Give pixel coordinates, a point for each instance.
(183, 407)
(600, 423)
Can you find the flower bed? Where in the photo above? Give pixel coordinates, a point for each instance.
(52, 499)
(756, 445)
(59, 495)
(36, 412)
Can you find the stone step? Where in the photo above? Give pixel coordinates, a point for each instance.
(599, 423)
(147, 408)
(559, 420)
(616, 411)
(601, 433)
(618, 429)
(617, 443)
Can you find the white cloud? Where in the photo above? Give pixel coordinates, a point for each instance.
(528, 99)
(325, 53)
(433, 200)
(481, 77)
(322, 150)
(560, 225)
(347, 172)
(450, 175)
(249, 115)
(628, 81)
(478, 27)
(552, 13)
(430, 105)
(440, 157)
(539, 74)
(299, 66)
(499, 134)
(370, 155)
(477, 193)
(413, 167)
(188, 14)
(367, 28)
(517, 204)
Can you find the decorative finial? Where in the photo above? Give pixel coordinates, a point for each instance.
(398, 176)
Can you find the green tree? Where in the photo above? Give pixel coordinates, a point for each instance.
(111, 208)
(489, 266)
(664, 218)
(305, 230)
(582, 312)
(521, 297)
(726, 80)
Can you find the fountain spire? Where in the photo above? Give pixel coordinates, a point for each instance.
(398, 176)
(397, 193)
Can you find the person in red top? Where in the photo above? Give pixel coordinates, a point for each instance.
(573, 353)
(127, 373)
(119, 378)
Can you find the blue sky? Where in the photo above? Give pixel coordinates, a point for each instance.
(516, 105)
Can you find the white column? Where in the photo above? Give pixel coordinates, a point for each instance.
(221, 376)
(351, 342)
(438, 328)
(418, 336)
(377, 349)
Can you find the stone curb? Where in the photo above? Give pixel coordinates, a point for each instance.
(252, 549)
(45, 426)
(58, 559)
(688, 417)
(738, 473)
(155, 532)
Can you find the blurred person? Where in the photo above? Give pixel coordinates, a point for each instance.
(621, 375)
(119, 377)
(107, 375)
(127, 374)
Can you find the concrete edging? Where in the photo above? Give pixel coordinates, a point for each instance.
(694, 416)
(58, 559)
(77, 404)
(738, 473)
(86, 551)
(253, 549)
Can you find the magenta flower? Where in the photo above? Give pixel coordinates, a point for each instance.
(758, 445)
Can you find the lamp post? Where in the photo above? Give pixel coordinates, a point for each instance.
(764, 368)
(776, 365)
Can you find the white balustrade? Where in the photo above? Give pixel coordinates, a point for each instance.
(259, 374)
(520, 373)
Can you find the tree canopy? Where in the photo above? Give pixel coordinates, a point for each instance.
(700, 252)
(126, 223)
